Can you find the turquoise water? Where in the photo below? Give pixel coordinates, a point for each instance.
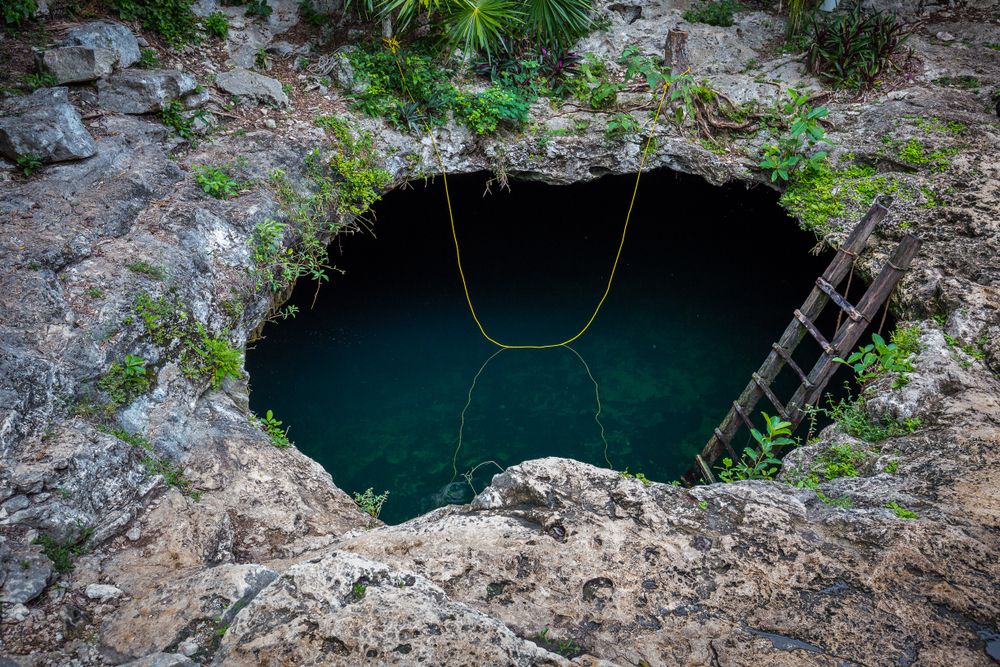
(374, 379)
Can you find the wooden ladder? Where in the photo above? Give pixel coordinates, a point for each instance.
(812, 384)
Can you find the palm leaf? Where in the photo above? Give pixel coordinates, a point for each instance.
(479, 25)
(557, 21)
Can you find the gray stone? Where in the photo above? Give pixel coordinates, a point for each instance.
(143, 91)
(247, 84)
(70, 64)
(24, 572)
(162, 660)
(43, 124)
(14, 614)
(106, 35)
(102, 592)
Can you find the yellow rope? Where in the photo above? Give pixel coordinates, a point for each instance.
(393, 46)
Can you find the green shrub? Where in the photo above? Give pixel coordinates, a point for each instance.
(712, 12)
(124, 381)
(621, 126)
(218, 359)
(851, 415)
(272, 426)
(37, 80)
(62, 553)
(854, 49)
(145, 268)
(29, 163)
(148, 59)
(871, 361)
(173, 116)
(792, 154)
(218, 181)
(217, 23)
(901, 511)
(370, 503)
(761, 462)
(172, 19)
(258, 8)
(484, 112)
(16, 12)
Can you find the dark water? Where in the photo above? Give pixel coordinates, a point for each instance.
(373, 380)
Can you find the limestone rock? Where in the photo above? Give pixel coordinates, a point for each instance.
(102, 592)
(343, 609)
(247, 84)
(79, 63)
(143, 91)
(43, 124)
(106, 35)
(162, 660)
(24, 572)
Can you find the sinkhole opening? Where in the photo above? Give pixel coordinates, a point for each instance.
(385, 381)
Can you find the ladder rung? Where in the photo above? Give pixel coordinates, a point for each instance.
(743, 415)
(705, 470)
(720, 436)
(835, 296)
(783, 353)
(811, 328)
(770, 395)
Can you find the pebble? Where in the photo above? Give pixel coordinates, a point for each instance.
(188, 648)
(133, 533)
(945, 36)
(270, 124)
(15, 614)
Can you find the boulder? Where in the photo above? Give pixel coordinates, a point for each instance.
(24, 573)
(143, 91)
(46, 125)
(102, 592)
(70, 64)
(244, 83)
(106, 35)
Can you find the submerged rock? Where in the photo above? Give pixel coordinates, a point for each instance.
(45, 125)
(106, 34)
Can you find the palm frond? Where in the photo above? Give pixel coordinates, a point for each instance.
(479, 25)
(558, 21)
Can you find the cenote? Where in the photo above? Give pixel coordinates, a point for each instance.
(373, 380)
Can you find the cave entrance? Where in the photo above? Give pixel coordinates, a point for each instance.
(375, 378)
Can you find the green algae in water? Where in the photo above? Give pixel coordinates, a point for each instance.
(374, 379)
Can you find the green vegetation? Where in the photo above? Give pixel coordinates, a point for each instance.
(793, 155)
(877, 358)
(148, 59)
(62, 553)
(851, 415)
(172, 19)
(258, 8)
(358, 591)
(819, 196)
(564, 647)
(123, 382)
(621, 126)
(915, 154)
(892, 466)
(29, 163)
(16, 12)
(491, 26)
(934, 125)
(359, 179)
(173, 116)
(173, 475)
(36, 80)
(712, 12)
(838, 460)
(147, 269)
(966, 82)
(761, 462)
(201, 355)
(272, 426)
(625, 474)
(901, 512)
(371, 504)
(854, 49)
(219, 181)
(217, 24)
(310, 14)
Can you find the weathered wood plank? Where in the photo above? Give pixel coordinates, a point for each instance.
(841, 302)
(765, 387)
(783, 353)
(835, 272)
(815, 333)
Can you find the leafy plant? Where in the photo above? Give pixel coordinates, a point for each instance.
(258, 8)
(310, 14)
(625, 474)
(173, 19)
(37, 80)
(148, 59)
(852, 50)
(712, 12)
(217, 23)
(272, 426)
(761, 462)
(16, 12)
(145, 268)
(218, 181)
(370, 503)
(173, 116)
(901, 511)
(123, 382)
(621, 125)
(851, 415)
(29, 163)
(219, 360)
(62, 553)
(791, 153)
(871, 361)
(358, 591)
